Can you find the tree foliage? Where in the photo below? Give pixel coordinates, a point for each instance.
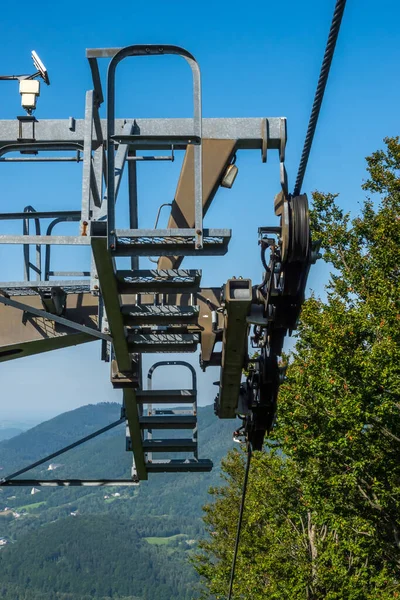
(322, 513)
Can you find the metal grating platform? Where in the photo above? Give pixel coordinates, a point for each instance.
(164, 281)
(167, 314)
(31, 288)
(163, 342)
(215, 243)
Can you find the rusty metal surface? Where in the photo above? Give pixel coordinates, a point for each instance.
(238, 298)
(217, 155)
(205, 321)
(20, 350)
(22, 334)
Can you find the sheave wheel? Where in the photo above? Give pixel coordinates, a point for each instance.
(299, 229)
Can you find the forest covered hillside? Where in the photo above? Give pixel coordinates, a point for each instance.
(8, 432)
(130, 543)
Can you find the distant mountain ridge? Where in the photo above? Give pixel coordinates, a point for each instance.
(8, 432)
(90, 532)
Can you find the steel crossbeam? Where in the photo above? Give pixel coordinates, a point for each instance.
(250, 133)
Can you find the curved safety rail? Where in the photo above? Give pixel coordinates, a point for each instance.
(169, 363)
(178, 363)
(49, 231)
(193, 137)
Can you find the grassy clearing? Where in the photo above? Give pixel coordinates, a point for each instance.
(29, 507)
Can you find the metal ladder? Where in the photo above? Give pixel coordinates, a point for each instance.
(159, 242)
(172, 419)
(153, 311)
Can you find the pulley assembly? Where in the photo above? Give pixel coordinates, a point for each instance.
(267, 312)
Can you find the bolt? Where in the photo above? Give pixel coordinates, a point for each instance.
(112, 246)
(199, 246)
(96, 276)
(161, 49)
(199, 231)
(96, 287)
(148, 50)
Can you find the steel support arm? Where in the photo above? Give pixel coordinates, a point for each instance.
(51, 317)
(238, 297)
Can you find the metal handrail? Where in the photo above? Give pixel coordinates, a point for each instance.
(48, 247)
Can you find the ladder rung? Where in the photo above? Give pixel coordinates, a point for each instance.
(168, 422)
(147, 314)
(165, 396)
(178, 445)
(170, 242)
(163, 342)
(163, 281)
(179, 466)
(173, 411)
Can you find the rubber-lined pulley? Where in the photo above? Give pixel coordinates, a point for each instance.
(299, 229)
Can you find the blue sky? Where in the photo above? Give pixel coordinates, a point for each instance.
(257, 59)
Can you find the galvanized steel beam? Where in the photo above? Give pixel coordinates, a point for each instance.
(250, 133)
(135, 432)
(109, 291)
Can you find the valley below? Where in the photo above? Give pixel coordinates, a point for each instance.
(122, 543)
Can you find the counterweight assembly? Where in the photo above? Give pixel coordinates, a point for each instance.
(134, 310)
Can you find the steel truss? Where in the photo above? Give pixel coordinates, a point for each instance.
(163, 310)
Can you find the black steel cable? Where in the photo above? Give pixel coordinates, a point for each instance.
(319, 94)
(239, 526)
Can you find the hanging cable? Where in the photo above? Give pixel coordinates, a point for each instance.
(319, 94)
(239, 526)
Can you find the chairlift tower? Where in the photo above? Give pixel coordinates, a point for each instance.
(162, 310)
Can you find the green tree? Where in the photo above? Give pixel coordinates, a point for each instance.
(322, 513)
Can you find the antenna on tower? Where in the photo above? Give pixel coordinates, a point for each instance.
(29, 87)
